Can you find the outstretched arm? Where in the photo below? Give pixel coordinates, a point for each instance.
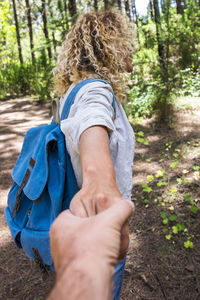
(99, 190)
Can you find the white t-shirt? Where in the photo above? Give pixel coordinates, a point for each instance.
(93, 106)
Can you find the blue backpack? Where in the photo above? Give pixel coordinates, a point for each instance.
(44, 184)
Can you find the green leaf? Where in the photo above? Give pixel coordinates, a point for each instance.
(174, 165)
(187, 198)
(188, 244)
(179, 180)
(180, 226)
(175, 155)
(163, 214)
(142, 141)
(147, 189)
(173, 190)
(149, 159)
(194, 209)
(162, 183)
(172, 218)
(168, 236)
(165, 229)
(146, 201)
(160, 173)
(150, 178)
(144, 185)
(175, 229)
(140, 133)
(165, 221)
(145, 142)
(196, 168)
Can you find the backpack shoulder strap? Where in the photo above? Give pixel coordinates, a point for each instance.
(70, 99)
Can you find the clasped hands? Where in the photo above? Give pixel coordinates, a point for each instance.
(86, 248)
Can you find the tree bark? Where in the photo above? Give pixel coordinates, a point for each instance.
(17, 33)
(151, 9)
(45, 29)
(119, 3)
(72, 9)
(127, 8)
(158, 30)
(28, 14)
(106, 4)
(96, 5)
(179, 7)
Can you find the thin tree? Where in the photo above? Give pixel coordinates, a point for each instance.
(158, 33)
(72, 9)
(135, 18)
(45, 28)
(127, 8)
(179, 7)
(151, 9)
(96, 5)
(106, 4)
(17, 33)
(119, 3)
(29, 19)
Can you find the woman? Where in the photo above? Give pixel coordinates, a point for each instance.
(99, 138)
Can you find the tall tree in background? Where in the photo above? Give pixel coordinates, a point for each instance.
(119, 4)
(45, 28)
(72, 9)
(158, 34)
(106, 4)
(150, 7)
(127, 8)
(17, 33)
(96, 5)
(28, 14)
(179, 7)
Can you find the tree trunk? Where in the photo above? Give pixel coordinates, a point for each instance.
(135, 18)
(96, 5)
(106, 4)
(119, 3)
(45, 29)
(17, 33)
(72, 9)
(179, 7)
(158, 30)
(127, 8)
(28, 14)
(151, 9)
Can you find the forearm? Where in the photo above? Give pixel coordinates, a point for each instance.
(84, 279)
(95, 156)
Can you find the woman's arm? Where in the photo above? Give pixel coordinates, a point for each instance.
(99, 190)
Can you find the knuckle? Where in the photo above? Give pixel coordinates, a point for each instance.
(102, 199)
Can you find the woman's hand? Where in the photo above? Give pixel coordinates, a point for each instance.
(99, 190)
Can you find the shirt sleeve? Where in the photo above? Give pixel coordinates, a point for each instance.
(92, 106)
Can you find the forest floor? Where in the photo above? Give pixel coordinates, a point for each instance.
(164, 255)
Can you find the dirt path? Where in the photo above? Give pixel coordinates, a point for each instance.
(158, 267)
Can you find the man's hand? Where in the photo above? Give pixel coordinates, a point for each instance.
(96, 237)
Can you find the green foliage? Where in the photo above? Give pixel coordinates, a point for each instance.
(188, 244)
(26, 79)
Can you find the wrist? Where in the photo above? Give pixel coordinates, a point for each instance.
(86, 277)
(102, 176)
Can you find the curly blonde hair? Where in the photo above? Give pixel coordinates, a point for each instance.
(97, 46)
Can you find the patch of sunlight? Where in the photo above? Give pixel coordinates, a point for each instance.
(188, 102)
(134, 242)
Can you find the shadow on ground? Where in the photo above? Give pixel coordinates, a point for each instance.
(156, 268)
